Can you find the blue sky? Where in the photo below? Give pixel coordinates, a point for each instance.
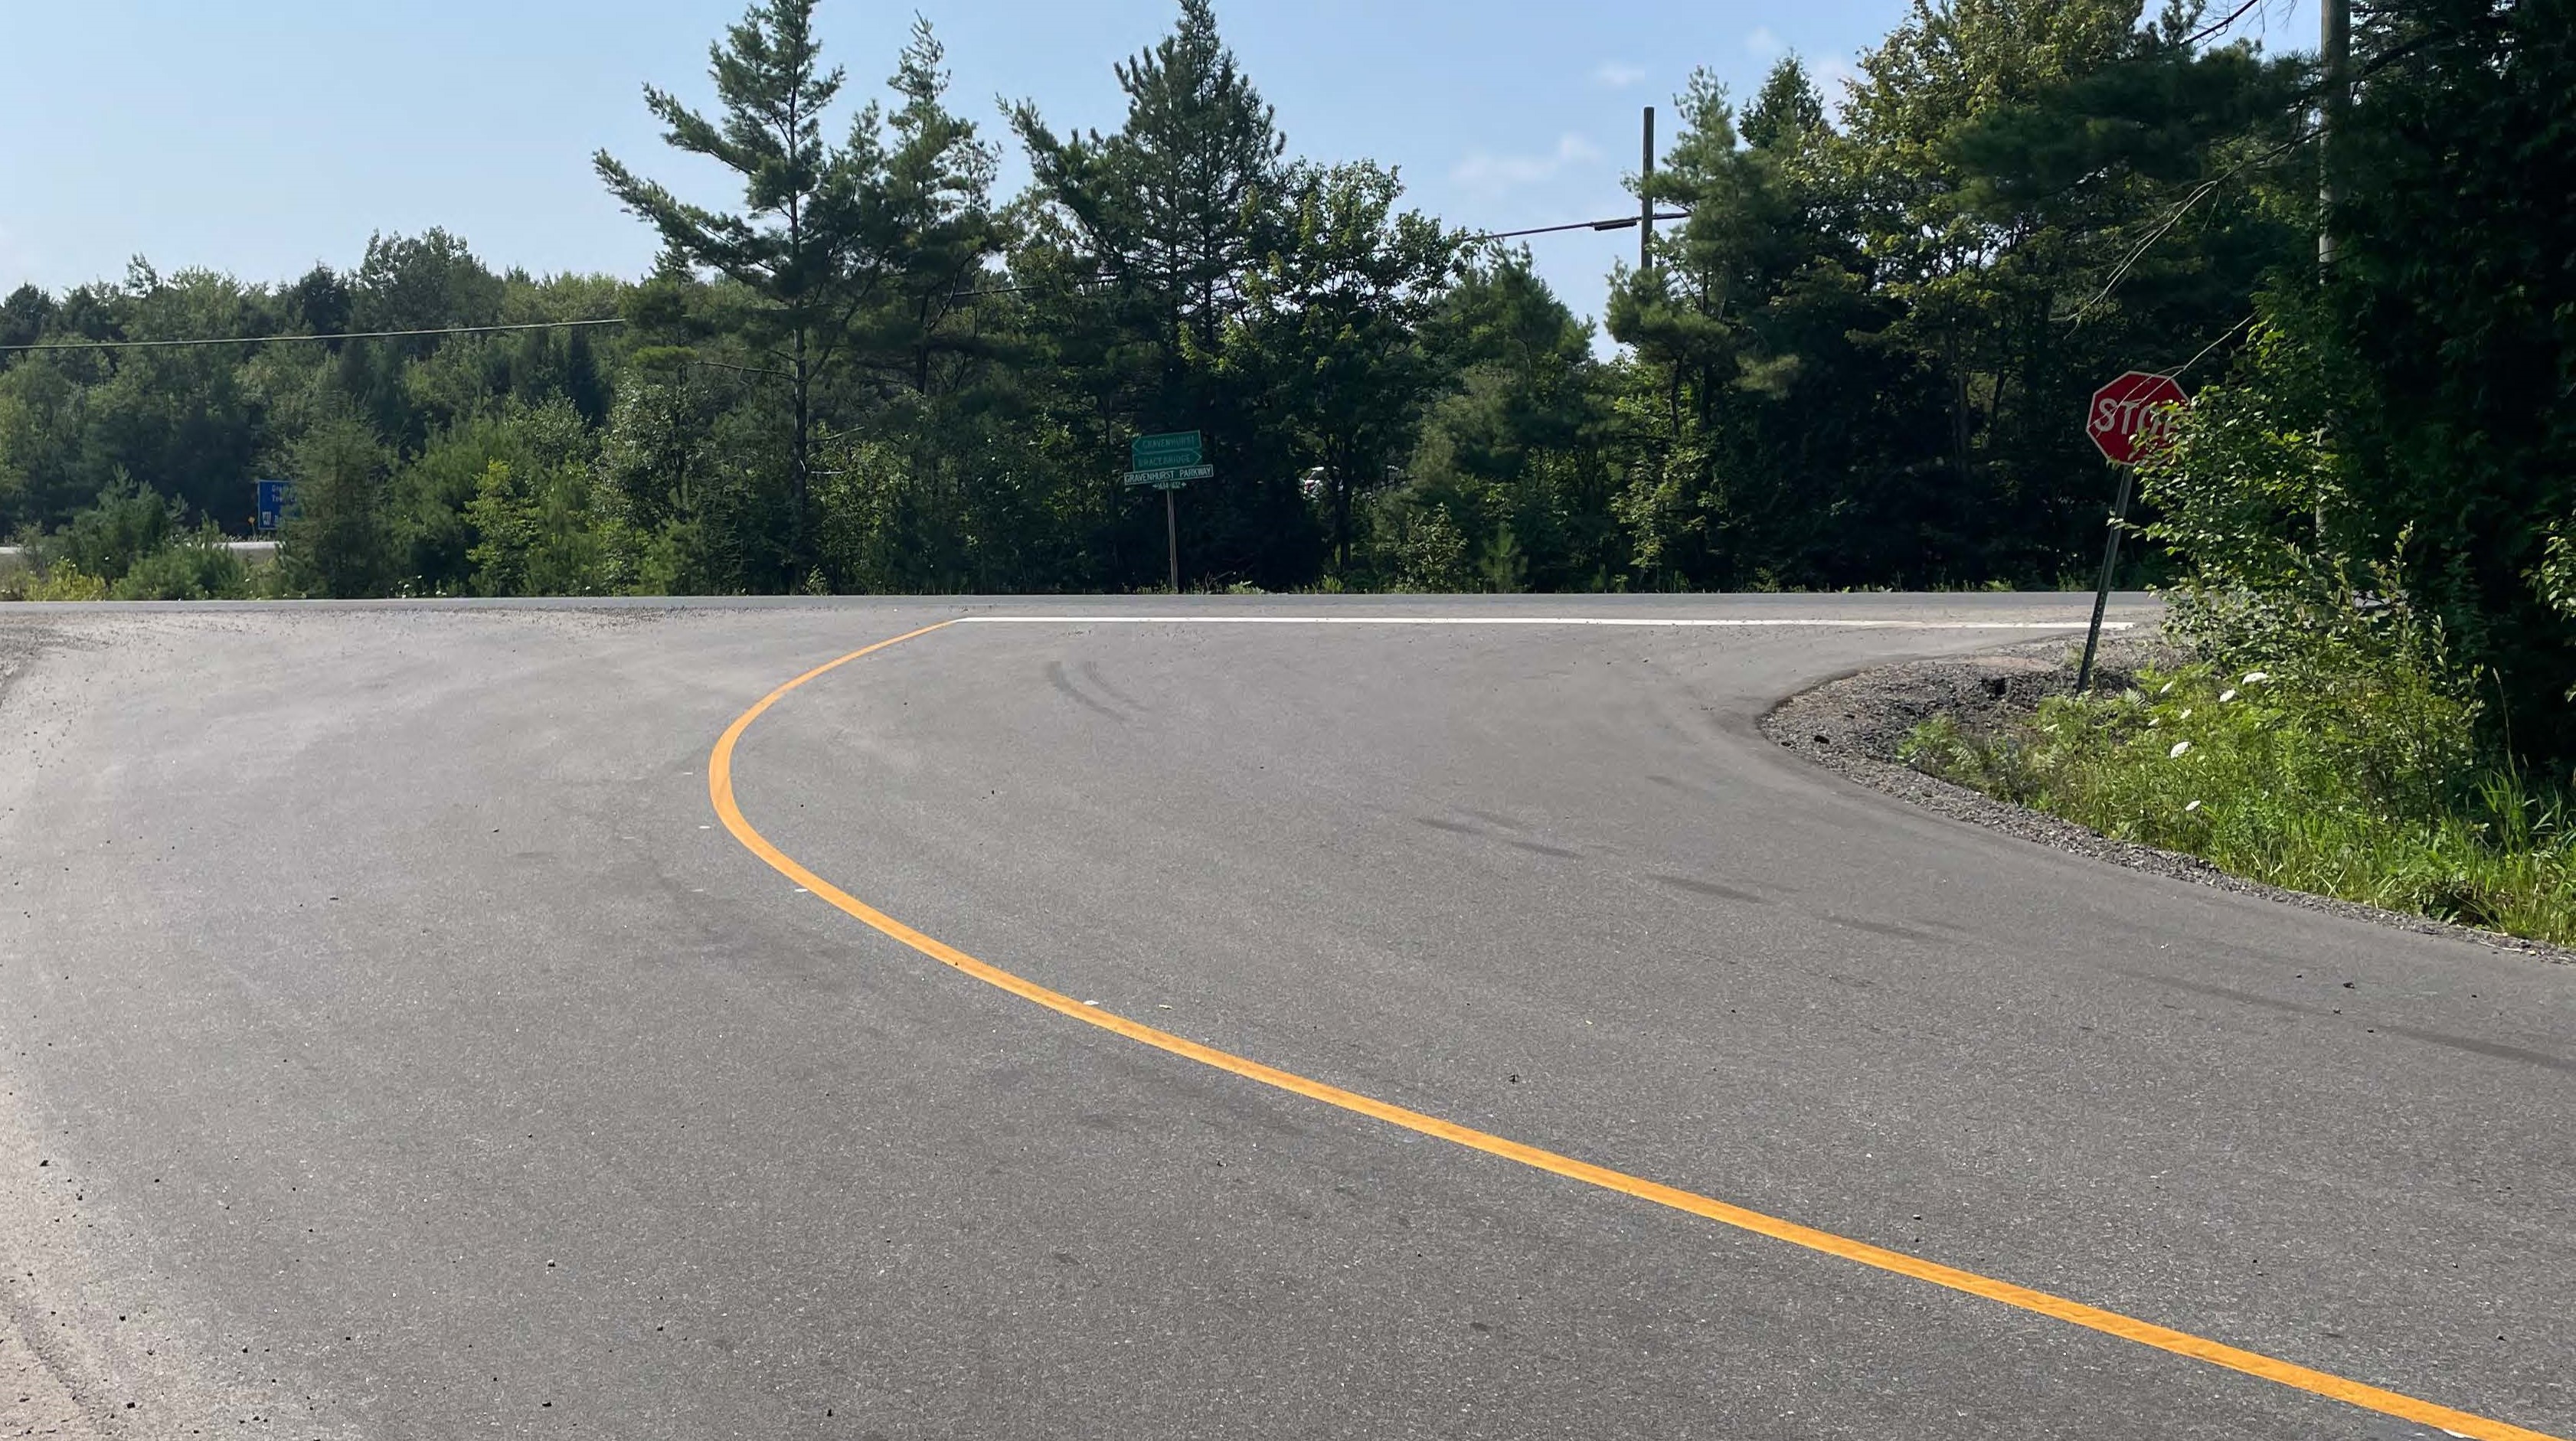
(261, 137)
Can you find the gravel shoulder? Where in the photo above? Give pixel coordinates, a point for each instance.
(1853, 725)
(97, 1343)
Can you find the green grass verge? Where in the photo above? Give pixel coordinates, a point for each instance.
(2365, 790)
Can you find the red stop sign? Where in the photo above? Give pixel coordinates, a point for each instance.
(2129, 415)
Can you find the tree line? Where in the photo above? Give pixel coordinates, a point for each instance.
(1861, 360)
(1856, 363)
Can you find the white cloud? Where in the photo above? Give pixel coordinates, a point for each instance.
(1495, 174)
(1616, 75)
(1833, 78)
(1763, 42)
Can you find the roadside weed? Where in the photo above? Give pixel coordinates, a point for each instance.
(2367, 789)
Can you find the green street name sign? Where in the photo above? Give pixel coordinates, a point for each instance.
(1171, 477)
(1163, 452)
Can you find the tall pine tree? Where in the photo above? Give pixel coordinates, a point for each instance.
(1141, 244)
(802, 216)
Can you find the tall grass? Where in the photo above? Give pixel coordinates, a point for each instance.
(2362, 785)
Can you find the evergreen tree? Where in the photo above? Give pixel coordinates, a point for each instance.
(1512, 446)
(1171, 208)
(1787, 110)
(1141, 245)
(336, 542)
(789, 252)
(932, 229)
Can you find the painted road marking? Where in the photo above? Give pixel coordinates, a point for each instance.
(1673, 623)
(2076, 1313)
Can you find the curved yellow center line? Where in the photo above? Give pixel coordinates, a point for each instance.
(2093, 1318)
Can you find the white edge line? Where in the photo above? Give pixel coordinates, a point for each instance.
(1674, 622)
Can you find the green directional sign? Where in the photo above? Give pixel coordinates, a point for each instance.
(1164, 452)
(1168, 462)
(1171, 477)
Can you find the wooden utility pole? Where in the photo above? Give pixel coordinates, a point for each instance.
(2334, 52)
(1646, 198)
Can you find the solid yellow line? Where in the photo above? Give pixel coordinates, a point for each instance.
(2094, 1318)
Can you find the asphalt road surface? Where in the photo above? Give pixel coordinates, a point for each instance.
(397, 1040)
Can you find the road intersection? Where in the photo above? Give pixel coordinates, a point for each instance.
(417, 1008)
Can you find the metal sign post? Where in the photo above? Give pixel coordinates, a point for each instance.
(2102, 592)
(1168, 462)
(2127, 418)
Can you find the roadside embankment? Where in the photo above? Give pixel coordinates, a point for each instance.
(1858, 724)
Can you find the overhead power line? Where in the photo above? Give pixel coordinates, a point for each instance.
(1621, 222)
(2215, 26)
(342, 335)
(2224, 337)
(1104, 278)
(2175, 216)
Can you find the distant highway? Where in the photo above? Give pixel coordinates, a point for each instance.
(1261, 1018)
(237, 547)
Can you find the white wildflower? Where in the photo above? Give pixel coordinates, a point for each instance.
(2195, 805)
(2225, 696)
(2154, 721)
(2257, 677)
(2165, 688)
(2186, 714)
(2179, 747)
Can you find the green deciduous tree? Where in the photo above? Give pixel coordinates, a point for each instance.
(419, 282)
(2449, 325)
(1860, 360)
(1330, 331)
(538, 534)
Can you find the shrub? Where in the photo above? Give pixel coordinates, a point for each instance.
(539, 534)
(106, 540)
(2364, 784)
(194, 566)
(59, 582)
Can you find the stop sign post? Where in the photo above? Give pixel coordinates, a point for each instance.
(2126, 421)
